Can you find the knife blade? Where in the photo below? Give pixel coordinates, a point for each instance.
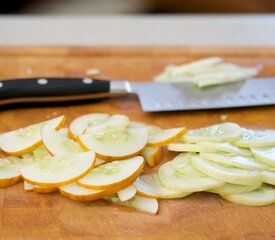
(153, 96)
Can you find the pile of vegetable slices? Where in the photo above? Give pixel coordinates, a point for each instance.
(102, 156)
(98, 157)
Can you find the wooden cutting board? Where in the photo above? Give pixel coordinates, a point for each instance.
(198, 216)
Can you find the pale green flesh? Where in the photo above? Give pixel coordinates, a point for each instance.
(225, 132)
(10, 167)
(225, 147)
(260, 197)
(112, 172)
(227, 174)
(268, 177)
(185, 179)
(142, 204)
(229, 188)
(256, 138)
(40, 152)
(233, 160)
(265, 155)
(152, 185)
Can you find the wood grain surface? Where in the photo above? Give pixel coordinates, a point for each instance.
(198, 216)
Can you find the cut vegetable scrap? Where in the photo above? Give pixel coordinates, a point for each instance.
(116, 144)
(152, 155)
(256, 138)
(10, 171)
(57, 144)
(127, 193)
(58, 171)
(25, 140)
(28, 187)
(147, 205)
(206, 72)
(262, 196)
(114, 176)
(224, 132)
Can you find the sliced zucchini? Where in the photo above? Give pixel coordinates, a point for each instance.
(225, 147)
(58, 171)
(25, 140)
(268, 177)
(115, 175)
(150, 186)
(127, 193)
(233, 160)
(256, 138)
(185, 181)
(265, 155)
(57, 144)
(10, 171)
(147, 205)
(188, 147)
(226, 174)
(152, 155)
(260, 197)
(78, 193)
(224, 132)
(116, 144)
(79, 125)
(229, 188)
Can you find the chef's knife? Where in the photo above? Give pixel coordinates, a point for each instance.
(153, 96)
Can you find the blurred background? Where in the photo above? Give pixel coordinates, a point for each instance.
(85, 7)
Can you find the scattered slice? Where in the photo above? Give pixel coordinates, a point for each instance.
(57, 144)
(256, 138)
(10, 171)
(147, 205)
(115, 175)
(152, 155)
(265, 155)
(58, 171)
(262, 196)
(150, 186)
(233, 160)
(127, 193)
(224, 132)
(161, 137)
(226, 174)
(116, 144)
(25, 140)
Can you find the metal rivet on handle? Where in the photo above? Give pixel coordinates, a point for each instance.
(1, 84)
(87, 80)
(42, 81)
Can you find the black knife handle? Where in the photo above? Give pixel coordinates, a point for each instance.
(51, 89)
